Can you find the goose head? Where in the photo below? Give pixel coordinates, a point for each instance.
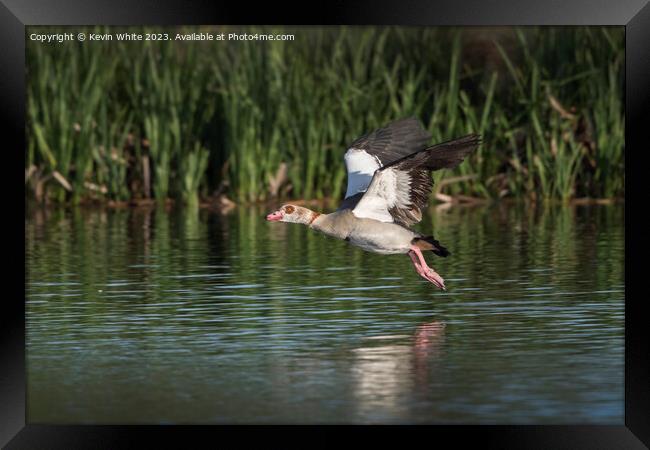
(293, 214)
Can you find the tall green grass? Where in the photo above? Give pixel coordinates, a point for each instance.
(128, 120)
(65, 102)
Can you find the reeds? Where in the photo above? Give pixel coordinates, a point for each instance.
(128, 120)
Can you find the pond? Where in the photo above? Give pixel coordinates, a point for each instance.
(190, 316)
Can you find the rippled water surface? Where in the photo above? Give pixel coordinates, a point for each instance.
(147, 316)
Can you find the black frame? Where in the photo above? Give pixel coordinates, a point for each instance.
(633, 14)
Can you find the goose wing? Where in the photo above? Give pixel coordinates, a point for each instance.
(378, 149)
(400, 190)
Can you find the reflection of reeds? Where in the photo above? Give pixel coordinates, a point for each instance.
(122, 120)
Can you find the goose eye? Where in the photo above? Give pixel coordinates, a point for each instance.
(289, 209)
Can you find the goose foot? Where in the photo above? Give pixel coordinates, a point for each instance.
(423, 270)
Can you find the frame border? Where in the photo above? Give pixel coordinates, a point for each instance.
(634, 14)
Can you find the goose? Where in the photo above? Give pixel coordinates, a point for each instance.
(388, 185)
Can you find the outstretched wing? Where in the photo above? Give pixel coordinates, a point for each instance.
(380, 148)
(400, 190)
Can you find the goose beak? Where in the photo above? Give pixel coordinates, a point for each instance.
(274, 216)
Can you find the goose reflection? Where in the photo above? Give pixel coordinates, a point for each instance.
(388, 376)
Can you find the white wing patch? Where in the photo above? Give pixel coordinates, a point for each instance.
(389, 188)
(361, 166)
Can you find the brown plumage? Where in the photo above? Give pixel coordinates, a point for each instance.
(429, 243)
(418, 165)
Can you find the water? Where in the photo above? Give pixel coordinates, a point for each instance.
(148, 316)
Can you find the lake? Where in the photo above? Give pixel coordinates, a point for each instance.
(190, 316)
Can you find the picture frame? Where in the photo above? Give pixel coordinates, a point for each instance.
(15, 15)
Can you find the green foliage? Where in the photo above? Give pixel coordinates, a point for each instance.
(114, 118)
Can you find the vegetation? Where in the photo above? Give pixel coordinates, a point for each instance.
(123, 121)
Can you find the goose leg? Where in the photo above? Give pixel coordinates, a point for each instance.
(416, 262)
(418, 267)
(423, 270)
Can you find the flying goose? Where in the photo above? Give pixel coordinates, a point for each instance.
(388, 186)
